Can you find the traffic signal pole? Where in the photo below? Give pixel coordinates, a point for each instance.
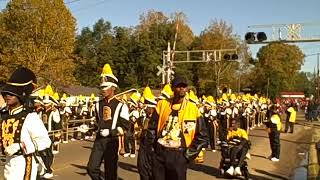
(193, 56)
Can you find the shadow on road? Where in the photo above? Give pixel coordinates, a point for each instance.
(286, 140)
(80, 167)
(85, 168)
(212, 171)
(128, 167)
(257, 155)
(270, 174)
(87, 147)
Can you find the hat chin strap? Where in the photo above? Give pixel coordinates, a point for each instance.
(107, 85)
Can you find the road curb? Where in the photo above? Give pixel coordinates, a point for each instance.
(313, 164)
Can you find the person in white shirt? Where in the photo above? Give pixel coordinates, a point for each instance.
(23, 133)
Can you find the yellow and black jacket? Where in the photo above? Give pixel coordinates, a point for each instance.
(292, 114)
(240, 133)
(274, 123)
(193, 131)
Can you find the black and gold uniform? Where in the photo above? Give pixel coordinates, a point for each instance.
(106, 145)
(274, 128)
(22, 131)
(181, 134)
(112, 117)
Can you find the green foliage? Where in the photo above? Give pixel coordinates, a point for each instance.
(39, 35)
(133, 53)
(279, 63)
(209, 77)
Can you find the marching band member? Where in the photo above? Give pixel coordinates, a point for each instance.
(147, 137)
(22, 132)
(112, 118)
(181, 134)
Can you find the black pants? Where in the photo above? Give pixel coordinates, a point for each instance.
(107, 149)
(47, 158)
(274, 137)
(238, 152)
(212, 135)
(169, 164)
(129, 141)
(244, 123)
(144, 162)
(289, 125)
(223, 129)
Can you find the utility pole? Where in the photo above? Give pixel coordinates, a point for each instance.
(204, 56)
(317, 79)
(268, 88)
(239, 85)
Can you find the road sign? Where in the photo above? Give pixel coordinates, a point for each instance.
(161, 70)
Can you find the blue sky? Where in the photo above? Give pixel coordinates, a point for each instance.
(239, 13)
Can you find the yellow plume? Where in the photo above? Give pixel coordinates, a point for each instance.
(167, 91)
(55, 96)
(148, 95)
(49, 91)
(193, 97)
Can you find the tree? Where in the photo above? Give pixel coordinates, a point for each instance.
(278, 63)
(303, 82)
(39, 35)
(152, 36)
(123, 59)
(93, 48)
(218, 35)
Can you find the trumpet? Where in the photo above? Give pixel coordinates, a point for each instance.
(125, 92)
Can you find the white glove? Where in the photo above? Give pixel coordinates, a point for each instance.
(120, 130)
(13, 148)
(56, 143)
(104, 132)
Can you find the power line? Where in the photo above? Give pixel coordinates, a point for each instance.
(72, 1)
(90, 6)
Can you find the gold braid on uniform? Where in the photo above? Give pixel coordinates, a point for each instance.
(27, 172)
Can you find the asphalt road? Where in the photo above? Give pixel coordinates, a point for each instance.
(71, 162)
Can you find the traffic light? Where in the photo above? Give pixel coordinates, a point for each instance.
(252, 37)
(229, 57)
(226, 57)
(261, 36)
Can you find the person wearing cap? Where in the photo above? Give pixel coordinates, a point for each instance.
(112, 118)
(146, 150)
(274, 128)
(28, 134)
(65, 113)
(181, 133)
(193, 98)
(52, 121)
(166, 92)
(46, 155)
(210, 116)
(129, 135)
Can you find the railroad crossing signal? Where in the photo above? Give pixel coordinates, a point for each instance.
(194, 56)
(160, 70)
(287, 33)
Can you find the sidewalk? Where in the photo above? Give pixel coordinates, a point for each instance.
(313, 165)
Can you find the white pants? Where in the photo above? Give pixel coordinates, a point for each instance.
(15, 166)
